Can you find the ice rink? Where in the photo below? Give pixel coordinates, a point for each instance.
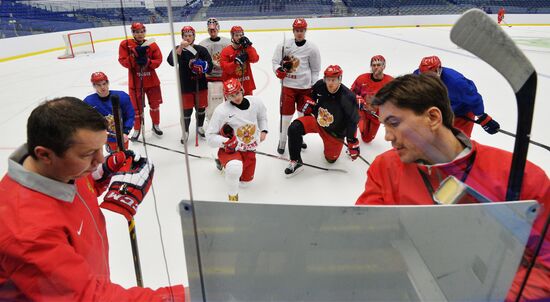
(28, 81)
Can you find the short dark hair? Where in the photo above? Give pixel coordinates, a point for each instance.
(53, 123)
(417, 93)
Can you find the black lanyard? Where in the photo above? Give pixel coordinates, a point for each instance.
(462, 179)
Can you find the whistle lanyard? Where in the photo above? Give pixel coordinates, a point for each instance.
(428, 185)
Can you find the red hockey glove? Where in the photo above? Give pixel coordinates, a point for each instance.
(281, 73)
(112, 164)
(230, 145)
(353, 148)
(307, 109)
(488, 124)
(361, 103)
(128, 187)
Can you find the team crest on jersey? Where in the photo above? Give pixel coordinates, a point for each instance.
(246, 133)
(295, 62)
(240, 70)
(216, 57)
(110, 123)
(324, 118)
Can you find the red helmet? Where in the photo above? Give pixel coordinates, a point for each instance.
(98, 77)
(231, 86)
(187, 29)
(137, 26)
(378, 59)
(299, 23)
(429, 64)
(235, 29)
(333, 71)
(212, 23)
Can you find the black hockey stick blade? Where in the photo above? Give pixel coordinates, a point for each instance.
(305, 164)
(480, 35)
(115, 103)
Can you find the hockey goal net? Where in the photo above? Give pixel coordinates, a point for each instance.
(77, 43)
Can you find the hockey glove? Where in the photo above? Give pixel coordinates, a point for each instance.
(241, 58)
(245, 42)
(281, 73)
(128, 187)
(199, 67)
(361, 102)
(353, 148)
(141, 55)
(307, 109)
(112, 164)
(489, 125)
(230, 145)
(287, 64)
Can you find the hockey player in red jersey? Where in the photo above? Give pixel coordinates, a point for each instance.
(331, 111)
(365, 87)
(297, 63)
(237, 127)
(194, 63)
(141, 62)
(101, 101)
(418, 119)
(500, 15)
(236, 58)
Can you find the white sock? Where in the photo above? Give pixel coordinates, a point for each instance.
(285, 123)
(233, 171)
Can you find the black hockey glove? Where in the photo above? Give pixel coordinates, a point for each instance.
(245, 42)
(489, 125)
(141, 55)
(287, 65)
(242, 58)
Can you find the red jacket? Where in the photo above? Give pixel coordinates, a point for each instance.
(230, 69)
(366, 87)
(392, 182)
(56, 248)
(127, 59)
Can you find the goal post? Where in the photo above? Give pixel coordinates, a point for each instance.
(77, 43)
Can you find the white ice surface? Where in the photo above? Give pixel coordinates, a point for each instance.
(28, 81)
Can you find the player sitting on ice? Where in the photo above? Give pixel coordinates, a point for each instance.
(101, 102)
(331, 111)
(237, 127)
(365, 87)
(466, 102)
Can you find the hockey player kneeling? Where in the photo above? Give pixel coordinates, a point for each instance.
(331, 111)
(236, 128)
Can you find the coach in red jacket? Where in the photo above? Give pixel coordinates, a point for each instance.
(418, 119)
(53, 241)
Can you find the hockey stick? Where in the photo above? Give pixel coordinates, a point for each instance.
(506, 23)
(115, 102)
(513, 135)
(282, 81)
(345, 144)
(494, 46)
(305, 164)
(176, 151)
(196, 110)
